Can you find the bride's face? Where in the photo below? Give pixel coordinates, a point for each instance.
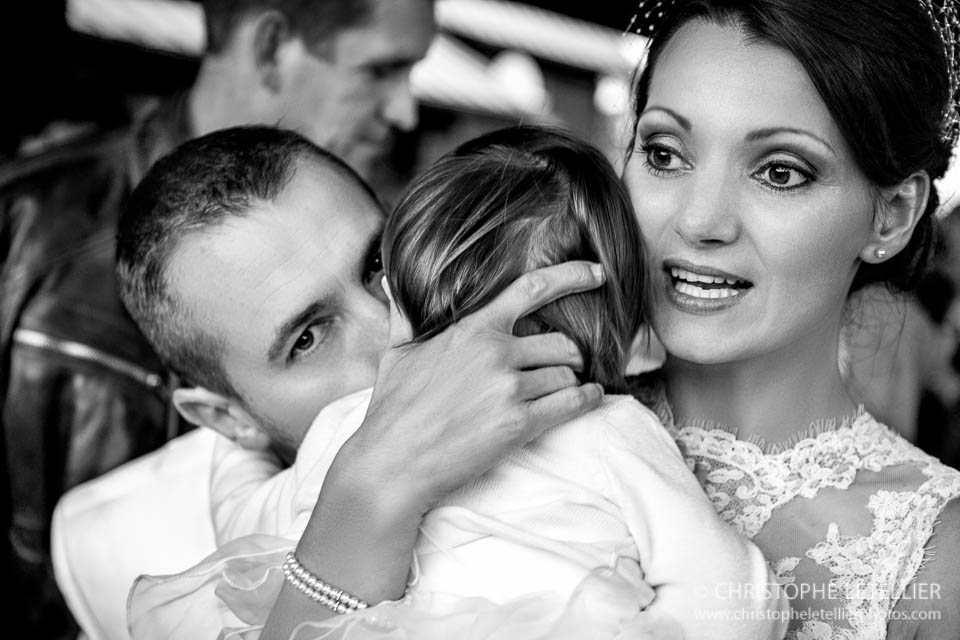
(751, 205)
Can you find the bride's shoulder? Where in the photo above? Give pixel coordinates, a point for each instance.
(931, 613)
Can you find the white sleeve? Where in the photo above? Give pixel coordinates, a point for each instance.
(242, 486)
(251, 492)
(714, 582)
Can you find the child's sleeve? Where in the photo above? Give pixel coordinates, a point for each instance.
(252, 493)
(242, 485)
(714, 582)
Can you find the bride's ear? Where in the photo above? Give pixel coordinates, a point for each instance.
(205, 408)
(900, 208)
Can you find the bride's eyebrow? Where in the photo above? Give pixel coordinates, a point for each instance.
(760, 134)
(682, 121)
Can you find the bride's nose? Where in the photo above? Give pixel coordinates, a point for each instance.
(708, 216)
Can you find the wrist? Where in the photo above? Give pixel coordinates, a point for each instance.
(382, 475)
(363, 529)
(382, 494)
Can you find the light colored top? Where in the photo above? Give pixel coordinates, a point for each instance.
(843, 514)
(597, 528)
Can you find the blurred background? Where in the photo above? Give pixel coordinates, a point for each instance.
(77, 64)
(74, 65)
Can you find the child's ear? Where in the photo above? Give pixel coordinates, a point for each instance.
(901, 207)
(400, 330)
(226, 416)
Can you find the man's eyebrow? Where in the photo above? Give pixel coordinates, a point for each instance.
(283, 334)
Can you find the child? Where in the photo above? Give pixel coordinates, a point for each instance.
(597, 529)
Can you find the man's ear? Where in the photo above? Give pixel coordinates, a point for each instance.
(271, 30)
(226, 416)
(901, 207)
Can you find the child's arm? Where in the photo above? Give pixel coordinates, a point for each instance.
(714, 582)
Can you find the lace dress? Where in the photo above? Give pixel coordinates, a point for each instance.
(843, 515)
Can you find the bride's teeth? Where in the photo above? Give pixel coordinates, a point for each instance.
(694, 291)
(692, 279)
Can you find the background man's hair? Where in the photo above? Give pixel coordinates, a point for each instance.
(196, 187)
(315, 20)
(506, 203)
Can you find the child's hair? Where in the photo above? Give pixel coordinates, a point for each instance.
(509, 202)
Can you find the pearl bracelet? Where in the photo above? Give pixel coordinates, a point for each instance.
(317, 590)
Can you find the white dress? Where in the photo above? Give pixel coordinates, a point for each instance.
(597, 529)
(843, 514)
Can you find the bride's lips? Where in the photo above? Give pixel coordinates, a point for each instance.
(702, 289)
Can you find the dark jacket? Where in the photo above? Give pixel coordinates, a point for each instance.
(81, 389)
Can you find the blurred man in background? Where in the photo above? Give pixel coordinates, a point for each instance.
(82, 391)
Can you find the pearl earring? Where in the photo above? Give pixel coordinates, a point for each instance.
(880, 252)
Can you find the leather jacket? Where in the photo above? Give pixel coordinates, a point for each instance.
(81, 389)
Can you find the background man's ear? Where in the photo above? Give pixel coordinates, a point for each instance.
(205, 408)
(271, 30)
(901, 208)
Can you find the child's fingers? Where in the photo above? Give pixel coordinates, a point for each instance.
(400, 331)
(534, 289)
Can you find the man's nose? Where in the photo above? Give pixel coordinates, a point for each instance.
(401, 107)
(709, 215)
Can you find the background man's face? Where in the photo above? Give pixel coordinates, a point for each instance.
(292, 290)
(351, 101)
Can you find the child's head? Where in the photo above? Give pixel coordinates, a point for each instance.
(503, 204)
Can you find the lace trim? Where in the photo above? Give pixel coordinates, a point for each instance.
(873, 572)
(747, 480)
(653, 395)
(731, 468)
(813, 430)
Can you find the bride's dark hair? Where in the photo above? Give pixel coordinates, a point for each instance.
(882, 71)
(503, 204)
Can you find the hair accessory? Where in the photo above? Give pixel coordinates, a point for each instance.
(649, 16)
(880, 252)
(945, 15)
(317, 590)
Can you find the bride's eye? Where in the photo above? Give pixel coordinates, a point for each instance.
(780, 176)
(661, 159)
